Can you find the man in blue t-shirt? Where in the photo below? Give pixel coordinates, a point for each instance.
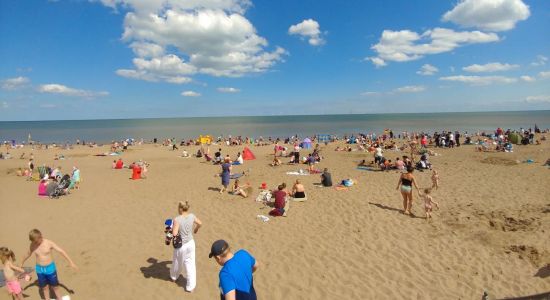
(236, 282)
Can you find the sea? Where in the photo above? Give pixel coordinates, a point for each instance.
(107, 130)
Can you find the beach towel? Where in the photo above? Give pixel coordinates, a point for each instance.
(298, 199)
(299, 173)
(361, 168)
(264, 196)
(235, 176)
(263, 218)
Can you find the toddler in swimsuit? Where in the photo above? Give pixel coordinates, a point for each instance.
(435, 179)
(12, 280)
(429, 203)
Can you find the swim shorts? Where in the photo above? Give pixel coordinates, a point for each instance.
(14, 287)
(47, 275)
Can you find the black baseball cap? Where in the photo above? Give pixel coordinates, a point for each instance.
(218, 248)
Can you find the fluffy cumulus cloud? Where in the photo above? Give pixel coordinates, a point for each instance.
(60, 89)
(489, 67)
(427, 70)
(491, 15)
(538, 99)
(308, 29)
(173, 40)
(410, 89)
(541, 61)
(190, 94)
(406, 45)
(527, 78)
(480, 80)
(14, 83)
(229, 90)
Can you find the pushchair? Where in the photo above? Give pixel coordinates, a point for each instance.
(62, 187)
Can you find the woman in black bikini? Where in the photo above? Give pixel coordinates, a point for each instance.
(406, 181)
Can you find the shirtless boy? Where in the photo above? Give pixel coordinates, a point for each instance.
(45, 266)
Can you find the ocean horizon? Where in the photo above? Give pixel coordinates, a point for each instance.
(104, 130)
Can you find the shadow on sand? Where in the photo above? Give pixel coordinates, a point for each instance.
(160, 270)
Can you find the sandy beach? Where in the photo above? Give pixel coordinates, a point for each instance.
(491, 233)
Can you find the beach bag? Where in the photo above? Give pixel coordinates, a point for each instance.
(176, 242)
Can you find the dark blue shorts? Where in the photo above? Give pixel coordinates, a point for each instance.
(47, 275)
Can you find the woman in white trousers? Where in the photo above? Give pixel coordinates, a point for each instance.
(185, 225)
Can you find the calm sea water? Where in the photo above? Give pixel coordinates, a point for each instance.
(282, 126)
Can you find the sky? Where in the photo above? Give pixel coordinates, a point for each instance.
(78, 59)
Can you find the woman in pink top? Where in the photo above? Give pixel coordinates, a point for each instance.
(399, 164)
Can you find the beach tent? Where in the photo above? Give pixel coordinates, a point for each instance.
(323, 138)
(306, 143)
(247, 154)
(515, 138)
(205, 139)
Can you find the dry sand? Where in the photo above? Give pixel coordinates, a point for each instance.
(491, 233)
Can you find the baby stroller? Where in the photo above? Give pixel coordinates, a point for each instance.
(63, 185)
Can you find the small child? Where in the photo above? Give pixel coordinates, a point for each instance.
(428, 203)
(12, 281)
(435, 179)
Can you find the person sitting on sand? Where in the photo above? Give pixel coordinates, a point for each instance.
(429, 203)
(218, 156)
(239, 160)
(406, 182)
(298, 190)
(276, 162)
(243, 190)
(119, 164)
(399, 164)
(280, 201)
(326, 178)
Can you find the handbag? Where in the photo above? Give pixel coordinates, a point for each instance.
(176, 242)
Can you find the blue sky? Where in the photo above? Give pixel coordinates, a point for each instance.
(164, 58)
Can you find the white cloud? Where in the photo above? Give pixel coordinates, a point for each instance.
(14, 83)
(528, 78)
(489, 67)
(544, 74)
(190, 94)
(370, 94)
(491, 15)
(60, 89)
(479, 80)
(228, 90)
(406, 45)
(174, 40)
(541, 61)
(427, 70)
(308, 29)
(538, 99)
(410, 89)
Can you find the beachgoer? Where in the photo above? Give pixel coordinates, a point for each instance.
(240, 190)
(435, 179)
(326, 178)
(276, 162)
(298, 190)
(184, 153)
(280, 201)
(399, 164)
(12, 280)
(226, 174)
(406, 182)
(75, 180)
(185, 225)
(429, 203)
(45, 265)
(236, 281)
(119, 164)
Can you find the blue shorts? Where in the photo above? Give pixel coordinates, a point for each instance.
(47, 275)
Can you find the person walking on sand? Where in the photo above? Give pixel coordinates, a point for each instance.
(435, 179)
(45, 266)
(406, 182)
(226, 174)
(429, 203)
(236, 281)
(185, 225)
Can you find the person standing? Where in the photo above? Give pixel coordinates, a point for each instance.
(45, 266)
(184, 226)
(236, 281)
(406, 183)
(226, 174)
